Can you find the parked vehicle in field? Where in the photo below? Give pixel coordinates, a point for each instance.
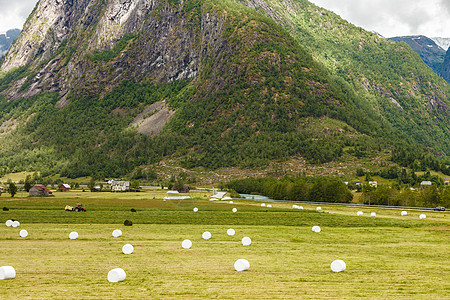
(78, 207)
(439, 208)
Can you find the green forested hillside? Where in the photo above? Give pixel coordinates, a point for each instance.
(259, 85)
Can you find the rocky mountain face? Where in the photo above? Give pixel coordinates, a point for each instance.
(7, 39)
(234, 83)
(432, 54)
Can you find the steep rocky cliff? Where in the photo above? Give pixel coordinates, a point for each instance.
(165, 42)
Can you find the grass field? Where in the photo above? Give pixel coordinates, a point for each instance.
(388, 256)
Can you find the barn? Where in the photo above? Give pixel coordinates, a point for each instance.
(39, 190)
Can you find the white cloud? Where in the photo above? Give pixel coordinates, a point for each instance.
(13, 13)
(395, 17)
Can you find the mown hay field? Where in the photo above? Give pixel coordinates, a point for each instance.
(388, 256)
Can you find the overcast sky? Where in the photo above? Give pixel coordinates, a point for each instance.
(395, 17)
(387, 17)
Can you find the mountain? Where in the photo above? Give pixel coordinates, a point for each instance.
(432, 54)
(445, 70)
(100, 88)
(6, 39)
(444, 43)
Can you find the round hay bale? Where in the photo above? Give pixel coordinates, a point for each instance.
(234, 209)
(295, 206)
(186, 244)
(263, 204)
(117, 233)
(359, 213)
(241, 265)
(316, 229)
(373, 214)
(195, 209)
(231, 202)
(15, 224)
(338, 265)
(206, 235)
(127, 249)
(9, 223)
(7, 272)
(269, 205)
(300, 207)
(23, 233)
(246, 241)
(128, 223)
(116, 275)
(73, 235)
(404, 213)
(231, 232)
(318, 208)
(422, 216)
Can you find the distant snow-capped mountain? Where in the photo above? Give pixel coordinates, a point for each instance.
(444, 43)
(6, 39)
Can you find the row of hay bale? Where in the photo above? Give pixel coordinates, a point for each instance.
(403, 213)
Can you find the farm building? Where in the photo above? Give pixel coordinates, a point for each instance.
(120, 186)
(39, 190)
(64, 187)
(446, 180)
(426, 183)
(185, 189)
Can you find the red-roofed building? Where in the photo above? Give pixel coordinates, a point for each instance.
(64, 187)
(39, 190)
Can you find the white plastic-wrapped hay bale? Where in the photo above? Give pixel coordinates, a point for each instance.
(231, 202)
(404, 213)
(9, 223)
(195, 209)
(300, 207)
(234, 209)
(373, 214)
(241, 265)
(246, 241)
(206, 235)
(231, 232)
(7, 272)
(116, 275)
(15, 224)
(359, 213)
(318, 208)
(117, 233)
(316, 229)
(263, 204)
(338, 265)
(23, 233)
(269, 205)
(295, 206)
(127, 249)
(73, 235)
(422, 216)
(186, 244)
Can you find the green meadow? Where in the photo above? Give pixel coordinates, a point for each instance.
(388, 256)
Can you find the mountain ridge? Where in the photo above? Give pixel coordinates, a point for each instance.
(244, 83)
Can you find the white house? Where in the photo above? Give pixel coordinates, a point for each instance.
(120, 186)
(426, 183)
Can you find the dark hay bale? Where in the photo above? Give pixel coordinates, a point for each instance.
(128, 223)
(133, 210)
(5, 208)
